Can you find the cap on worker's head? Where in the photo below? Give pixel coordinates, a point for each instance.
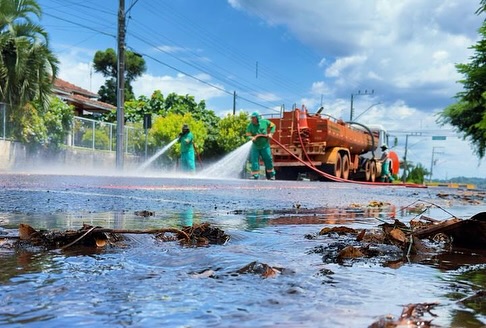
(255, 114)
(185, 127)
(383, 147)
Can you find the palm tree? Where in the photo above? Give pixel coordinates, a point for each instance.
(27, 65)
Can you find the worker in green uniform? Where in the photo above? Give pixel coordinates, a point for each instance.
(260, 132)
(188, 158)
(386, 175)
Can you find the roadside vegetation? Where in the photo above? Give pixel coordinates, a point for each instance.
(468, 114)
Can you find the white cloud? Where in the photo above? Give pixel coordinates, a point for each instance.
(405, 50)
(400, 46)
(268, 96)
(338, 68)
(76, 67)
(170, 49)
(179, 84)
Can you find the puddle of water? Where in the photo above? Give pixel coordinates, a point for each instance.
(152, 283)
(149, 282)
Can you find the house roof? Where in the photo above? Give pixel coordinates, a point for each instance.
(82, 99)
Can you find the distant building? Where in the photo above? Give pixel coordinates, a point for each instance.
(85, 102)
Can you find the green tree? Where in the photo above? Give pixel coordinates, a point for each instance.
(27, 65)
(418, 174)
(405, 167)
(167, 128)
(468, 114)
(106, 63)
(47, 128)
(31, 131)
(179, 104)
(58, 121)
(101, 140)
(231, 131)
(159, 106)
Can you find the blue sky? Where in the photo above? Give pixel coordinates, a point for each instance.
(275, 53)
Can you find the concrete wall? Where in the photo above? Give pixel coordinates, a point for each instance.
(14, 157)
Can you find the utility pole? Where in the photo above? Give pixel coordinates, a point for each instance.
(432, 163)
(405, 164)
(234, 103)
(120, 99)
(366, 93)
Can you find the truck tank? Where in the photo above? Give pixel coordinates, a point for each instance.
(303, 140)
(299, 127)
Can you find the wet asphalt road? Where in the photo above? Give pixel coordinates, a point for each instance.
(163, 285)
(27, 193)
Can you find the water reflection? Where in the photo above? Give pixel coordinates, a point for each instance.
(326, 216)
(150, 283)
(22, 262)
(187, 217)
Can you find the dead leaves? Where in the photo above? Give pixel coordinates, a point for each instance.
(203, 234)
(261, 269)
(413, 315)
(87, 236)
(98, 237)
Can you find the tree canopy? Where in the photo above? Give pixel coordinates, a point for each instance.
(106, 63)
(27, 66)
(468, 114)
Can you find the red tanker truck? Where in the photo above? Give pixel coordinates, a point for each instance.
(320, 147)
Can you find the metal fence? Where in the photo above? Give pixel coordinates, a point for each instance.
(97, 135)
(87, 133)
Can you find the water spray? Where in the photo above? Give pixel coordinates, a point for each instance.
(156, 155)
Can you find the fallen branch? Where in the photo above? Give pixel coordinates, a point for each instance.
(180, 233)
(78, 239)
(146, 231)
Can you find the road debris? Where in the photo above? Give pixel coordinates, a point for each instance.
(90, 236)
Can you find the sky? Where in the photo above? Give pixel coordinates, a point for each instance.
(394, 60)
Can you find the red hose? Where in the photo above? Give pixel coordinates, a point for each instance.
(336, 179)
(197, 154)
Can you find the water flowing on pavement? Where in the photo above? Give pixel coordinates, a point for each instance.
(147, 282)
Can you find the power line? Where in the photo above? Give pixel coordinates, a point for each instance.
(202, 81)
(202, 34)
(234, 83)
(82, 25)
(219, 73)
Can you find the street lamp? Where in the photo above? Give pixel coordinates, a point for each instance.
(366, 93)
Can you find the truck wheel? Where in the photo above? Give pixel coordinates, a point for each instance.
(334, 169)
(345, 167)
(372, 172)
(367, 170)
(338, 167)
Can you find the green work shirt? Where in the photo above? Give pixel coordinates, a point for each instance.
(186, 141)
(264, 127)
